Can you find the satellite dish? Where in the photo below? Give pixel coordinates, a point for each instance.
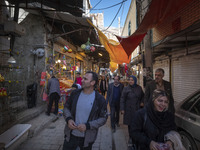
(39, 52)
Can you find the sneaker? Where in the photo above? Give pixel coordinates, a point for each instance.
(130, 143)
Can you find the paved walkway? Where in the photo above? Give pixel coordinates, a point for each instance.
(51, 136)
(47, 133)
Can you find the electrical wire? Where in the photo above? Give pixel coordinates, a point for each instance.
(93, 7)
(115, 15)
(110, 6)
(122, 13)
(96, 5)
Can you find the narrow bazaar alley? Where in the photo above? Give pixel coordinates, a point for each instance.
(121, 74)
(47, 133)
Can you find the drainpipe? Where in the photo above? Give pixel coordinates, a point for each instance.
(186, 44)
(16, 14)
(144, 66)
(170, 68)
(147, 60)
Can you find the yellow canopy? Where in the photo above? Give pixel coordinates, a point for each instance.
(114, 48)
(113, 66)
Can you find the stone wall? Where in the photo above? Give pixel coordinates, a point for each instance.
(26, 71)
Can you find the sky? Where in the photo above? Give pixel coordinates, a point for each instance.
(109, 14)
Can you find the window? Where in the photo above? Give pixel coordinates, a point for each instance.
(189, 103)
(196, 108)
(129, 28)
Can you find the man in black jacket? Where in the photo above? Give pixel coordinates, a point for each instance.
(85, 111)
(160, 84)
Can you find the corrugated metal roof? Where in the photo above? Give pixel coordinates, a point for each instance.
(75, 7)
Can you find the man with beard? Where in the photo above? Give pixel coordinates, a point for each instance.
(159, 84)
(84, 112)
(113, 98)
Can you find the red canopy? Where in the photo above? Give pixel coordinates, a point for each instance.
(157, 12)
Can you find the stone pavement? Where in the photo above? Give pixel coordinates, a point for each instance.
(47, 133)
(120, 137)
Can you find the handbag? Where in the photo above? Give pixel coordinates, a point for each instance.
(45, 96)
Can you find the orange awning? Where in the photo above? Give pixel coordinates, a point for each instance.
(113, 66)
(114, 48)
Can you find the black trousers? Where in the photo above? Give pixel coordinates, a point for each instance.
(114, 114)
(103, 92)
(74, 142)
(53, 97)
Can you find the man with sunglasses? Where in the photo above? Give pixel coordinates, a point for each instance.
(85, 111)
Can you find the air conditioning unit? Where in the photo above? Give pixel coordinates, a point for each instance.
(13, 27)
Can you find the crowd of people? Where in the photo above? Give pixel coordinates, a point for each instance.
(149, 115)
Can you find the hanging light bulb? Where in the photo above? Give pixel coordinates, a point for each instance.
(11, 58)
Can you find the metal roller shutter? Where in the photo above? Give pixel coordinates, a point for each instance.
(185, 76)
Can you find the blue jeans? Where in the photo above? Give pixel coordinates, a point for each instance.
(74, 142)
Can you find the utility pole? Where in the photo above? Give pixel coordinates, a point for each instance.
(119, 33)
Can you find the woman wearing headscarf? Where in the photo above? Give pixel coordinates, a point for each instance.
(152, 123)
(131, 100)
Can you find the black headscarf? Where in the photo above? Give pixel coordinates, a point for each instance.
(164, 121)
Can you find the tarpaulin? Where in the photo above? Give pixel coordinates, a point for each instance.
(158, 11)
(113, 66)
(114, 48)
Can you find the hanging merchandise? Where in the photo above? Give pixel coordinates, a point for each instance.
(83, 46)
(42, 81)
(92, 48)
(1, 78)
(3, 92)
(87, 47)
(73, 68)
(49, 59)
(66, 48)
(64, 62)
(44, 96)
(69, 50)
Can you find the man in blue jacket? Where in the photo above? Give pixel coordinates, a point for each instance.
(113, 97)
(84, 112)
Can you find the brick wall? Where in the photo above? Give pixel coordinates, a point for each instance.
(180, 21)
